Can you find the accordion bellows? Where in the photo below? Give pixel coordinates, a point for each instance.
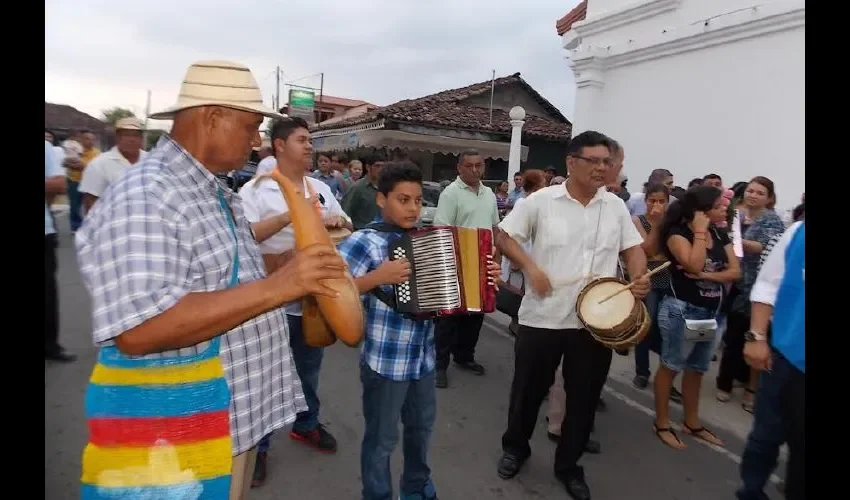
(158, 428)
(448, 271)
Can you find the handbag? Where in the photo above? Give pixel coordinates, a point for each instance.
(509, 296)
(700, 330)
(159, 428)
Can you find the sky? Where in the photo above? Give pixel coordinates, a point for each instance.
(100, 54)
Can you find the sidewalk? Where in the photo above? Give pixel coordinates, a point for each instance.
(727, 416)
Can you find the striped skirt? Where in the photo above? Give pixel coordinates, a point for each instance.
(158, 428)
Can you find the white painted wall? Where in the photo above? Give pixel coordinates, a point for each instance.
(725, 98)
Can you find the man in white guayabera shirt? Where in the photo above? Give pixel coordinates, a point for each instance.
(578, 231)
(108, 166)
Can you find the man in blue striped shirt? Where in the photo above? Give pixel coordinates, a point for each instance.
(780, 415)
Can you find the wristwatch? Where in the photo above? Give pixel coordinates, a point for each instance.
(751, 336)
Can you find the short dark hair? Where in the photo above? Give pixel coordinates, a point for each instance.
(589, 139)
(656, 188)
(465, 153)
(712, 176)
(373, 158)
(658, 175)
(282, 128)
(396, 172)
(799, 212)
(695, 182)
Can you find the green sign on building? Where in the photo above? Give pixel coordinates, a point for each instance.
(302, 104)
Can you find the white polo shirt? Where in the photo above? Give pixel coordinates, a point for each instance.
(104, 170)
(565, 237)
(266, 165)
(265, 200)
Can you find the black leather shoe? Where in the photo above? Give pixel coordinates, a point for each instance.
(576, 486)
(442, 379)
(509, 466)
(471, 366)
(593, 447)
(60, 356)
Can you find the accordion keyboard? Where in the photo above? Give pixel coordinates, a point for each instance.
(434, 264)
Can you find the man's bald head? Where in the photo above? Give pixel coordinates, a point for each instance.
(220, 138)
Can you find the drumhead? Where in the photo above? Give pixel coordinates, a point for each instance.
(609, 314)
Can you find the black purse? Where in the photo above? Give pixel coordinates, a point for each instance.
(509, 297)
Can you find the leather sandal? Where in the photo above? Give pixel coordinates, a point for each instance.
(660, 430)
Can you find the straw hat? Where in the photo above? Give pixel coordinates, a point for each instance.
(130, 123)
(218, 83)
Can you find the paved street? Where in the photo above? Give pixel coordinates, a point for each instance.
(466, 446)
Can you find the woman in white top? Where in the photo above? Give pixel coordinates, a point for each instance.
(532, 180)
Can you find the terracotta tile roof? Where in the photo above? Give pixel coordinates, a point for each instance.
(64, 117)
(577, 14)
(445, 110)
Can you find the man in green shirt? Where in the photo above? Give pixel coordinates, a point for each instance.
(466, 202)
(359, 200)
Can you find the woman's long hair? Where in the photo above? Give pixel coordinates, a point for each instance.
(696, 199)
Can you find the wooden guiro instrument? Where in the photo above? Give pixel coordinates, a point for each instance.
(343, 314)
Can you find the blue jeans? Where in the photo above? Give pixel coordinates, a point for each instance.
(308, 363)
(385, 402)
(678, 354)
(773, 425)
(652, 339)
(75, 203)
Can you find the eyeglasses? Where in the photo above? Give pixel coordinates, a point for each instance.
(608, 162)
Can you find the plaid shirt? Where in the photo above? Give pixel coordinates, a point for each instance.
(159, 233)
(395, 347)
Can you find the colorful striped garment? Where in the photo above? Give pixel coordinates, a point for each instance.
(159, 429)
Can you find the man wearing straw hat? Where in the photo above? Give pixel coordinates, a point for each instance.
(172, 268)
(108, 166)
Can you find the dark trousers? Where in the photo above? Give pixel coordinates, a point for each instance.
(652, 341)
(51, 298)
(537, 354)
(779, 417)
(732, 364)
(457, 336)
(75, 203)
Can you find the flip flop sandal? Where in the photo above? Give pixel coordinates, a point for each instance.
(658, 432)
(700, 432)
(748, 405)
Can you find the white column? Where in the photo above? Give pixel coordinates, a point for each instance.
(517, 115)
(590, 82)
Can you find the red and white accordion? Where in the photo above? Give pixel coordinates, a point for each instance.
(448, 271)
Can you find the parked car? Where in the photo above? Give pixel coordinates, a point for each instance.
(430, 196)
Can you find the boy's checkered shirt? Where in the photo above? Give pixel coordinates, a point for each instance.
(395, 347)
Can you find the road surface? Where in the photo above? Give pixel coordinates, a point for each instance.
(466, 446)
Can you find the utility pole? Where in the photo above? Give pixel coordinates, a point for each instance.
(321, 93)
(147, 114)
(277, 84)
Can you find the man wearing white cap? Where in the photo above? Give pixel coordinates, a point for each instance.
(108, 166)
(174, 273)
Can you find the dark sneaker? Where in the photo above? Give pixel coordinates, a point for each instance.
(259, 470)
(318, 438)
(442, 379)
(675, 395)
(640, 381)
(471, 366)
(509, 466)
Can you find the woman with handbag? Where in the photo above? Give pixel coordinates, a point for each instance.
(703, 262)
(511, 291)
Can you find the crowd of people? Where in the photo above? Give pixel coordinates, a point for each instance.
(196, 294)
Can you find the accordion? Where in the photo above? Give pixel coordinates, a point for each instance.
(448, 271)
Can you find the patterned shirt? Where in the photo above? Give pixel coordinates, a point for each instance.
(395, 347)
(159, 233)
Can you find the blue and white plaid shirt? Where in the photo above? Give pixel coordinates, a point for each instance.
(159, 233)
(395, 347)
